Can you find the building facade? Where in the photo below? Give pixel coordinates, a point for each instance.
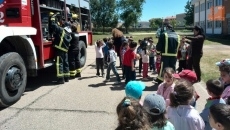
(212, 15)
(180, 19)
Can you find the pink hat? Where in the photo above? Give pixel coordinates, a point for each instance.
(186, 74)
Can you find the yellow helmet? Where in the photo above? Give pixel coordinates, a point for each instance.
(74, 16)
(51, 13)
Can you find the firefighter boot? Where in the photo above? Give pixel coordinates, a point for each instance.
(66, 79)
(78, 75)
(60, 81)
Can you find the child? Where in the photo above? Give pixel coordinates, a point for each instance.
(156, 108)
(182, 55)
(111, 60)
(125, 47)
(99, 57)
(219, 117)
(224, 68)
(165, 88)
(128, 62)
(145, 61)
(139, 50)
(180, 113)
(214, 89)
(158, 63)
(191, 77)
(131, 115)
(152, 49)
(134, 89)
(105, 50)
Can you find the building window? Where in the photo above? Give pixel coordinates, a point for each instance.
(196, 23)
(202, 7)
(202, 24)
(209, 4)
(209, 24)
(218, 24)
(218, 2)
(196, 9)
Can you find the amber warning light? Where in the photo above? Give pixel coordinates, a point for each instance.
(217, 13)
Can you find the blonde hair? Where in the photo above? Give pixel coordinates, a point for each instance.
(117, 33)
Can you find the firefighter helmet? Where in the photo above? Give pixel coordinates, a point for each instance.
(51, 13)
(74, 16)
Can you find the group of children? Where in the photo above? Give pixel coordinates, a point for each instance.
(173, 106)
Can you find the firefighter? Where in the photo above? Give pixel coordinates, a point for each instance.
(167, 47)
(61, 43)
(74, 53)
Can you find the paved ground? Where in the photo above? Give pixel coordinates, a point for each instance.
(84, 104)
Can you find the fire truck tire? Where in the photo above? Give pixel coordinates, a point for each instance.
(13, 78)
(83, 53)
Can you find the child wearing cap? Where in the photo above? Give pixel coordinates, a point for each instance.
(224, 68)
(180, 113)
(134, 89)
(214, 89)
(191, 77)
(155, 106)
(165, 88)
(131, 115)
(219, 117)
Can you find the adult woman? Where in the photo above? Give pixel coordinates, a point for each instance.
(196, 50)
(118, 38)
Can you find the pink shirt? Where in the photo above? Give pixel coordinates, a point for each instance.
(165, 91)
(226, 93)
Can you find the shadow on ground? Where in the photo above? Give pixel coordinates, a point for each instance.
(221, 40)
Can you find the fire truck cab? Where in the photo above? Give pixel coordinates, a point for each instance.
(25, 42)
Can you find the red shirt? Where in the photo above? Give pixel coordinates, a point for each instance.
(128, 57)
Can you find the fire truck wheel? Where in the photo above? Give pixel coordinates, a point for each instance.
(83, 54)
(13, 78)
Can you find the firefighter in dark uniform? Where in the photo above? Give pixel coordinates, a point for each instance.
(74, 53)
(61, 44)
(167, 47)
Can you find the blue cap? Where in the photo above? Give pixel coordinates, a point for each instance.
(134, 89)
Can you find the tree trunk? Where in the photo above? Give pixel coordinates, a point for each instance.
(126, 30)
(103, 30)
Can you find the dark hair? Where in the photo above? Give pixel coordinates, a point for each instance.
(105, 39)
(110, 45)
(215, 86)
(200, 30)
(221, 114)
(158, 121)
(183, 92)
(125, 43)
(74, 27)
(133, 44)
(169, 71)
(224, 68)
(132, 116)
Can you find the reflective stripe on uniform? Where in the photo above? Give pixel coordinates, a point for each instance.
(79, 70)
(57, 67)
(66, 74)
(73, 73)
(166, 46)
(59, 46)
(160, 74)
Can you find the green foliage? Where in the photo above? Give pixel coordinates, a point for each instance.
(155, 23)
(173, 22)
(189, 13)
(131, 11)
(103, 13)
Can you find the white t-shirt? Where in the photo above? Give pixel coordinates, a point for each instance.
(145, 57)
(99, 52)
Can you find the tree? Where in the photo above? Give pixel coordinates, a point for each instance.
(173, 22)
(103, 13)
(154, 23)
(189, 13)
(131, 11)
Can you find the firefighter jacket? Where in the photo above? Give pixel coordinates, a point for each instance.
(74, 43)
(62, 37)
(168, 44)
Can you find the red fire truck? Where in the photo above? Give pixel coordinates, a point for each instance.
(25, 42)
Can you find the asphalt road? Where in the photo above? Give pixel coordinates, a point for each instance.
(81, 104)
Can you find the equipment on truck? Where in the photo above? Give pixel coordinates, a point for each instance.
(26, 39)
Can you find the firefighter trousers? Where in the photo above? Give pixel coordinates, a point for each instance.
(62, 64)
(166, 61)
(74, 63)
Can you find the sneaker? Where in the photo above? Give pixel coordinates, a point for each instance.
(107, 80)
(117, 82)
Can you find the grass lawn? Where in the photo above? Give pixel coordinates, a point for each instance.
(213, 52)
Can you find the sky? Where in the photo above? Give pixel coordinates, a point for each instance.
(162, 8)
